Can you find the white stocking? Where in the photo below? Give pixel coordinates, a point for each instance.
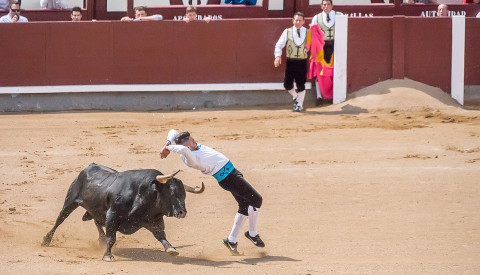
(237, 226)
(301, 97)
(293, 93)
(252, 220)
(319, 93)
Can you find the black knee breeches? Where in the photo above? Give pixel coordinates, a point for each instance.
(242, 191)
(296, 69)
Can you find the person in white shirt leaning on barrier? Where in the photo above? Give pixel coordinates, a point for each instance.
(213, 163)
(141, 15)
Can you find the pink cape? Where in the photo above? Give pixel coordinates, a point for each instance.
(325, 82)
(315, 47)
(324, 74)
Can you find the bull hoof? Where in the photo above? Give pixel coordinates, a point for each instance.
(46, 241)
(172, 251)
(108, 258)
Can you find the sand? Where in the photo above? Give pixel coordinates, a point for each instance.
(384, 183)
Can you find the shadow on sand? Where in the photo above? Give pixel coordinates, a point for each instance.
(346, 110)
(155, 255)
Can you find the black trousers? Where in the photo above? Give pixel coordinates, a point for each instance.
(242, 191)
(328, 50)
(296, 69)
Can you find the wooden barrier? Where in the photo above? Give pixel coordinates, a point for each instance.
(84, 53)
(224, 51)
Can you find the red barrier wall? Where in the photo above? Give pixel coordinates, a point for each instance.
(369, 52)
(227, 51)
(419, 48)
(224, 51)
(428, 51)
(472, 52)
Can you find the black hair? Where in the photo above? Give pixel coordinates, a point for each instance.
(140, 8)
(182, 138)
(15, 2)
(299, 13)
(76, 9)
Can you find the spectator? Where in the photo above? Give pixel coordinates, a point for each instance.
(191, 15)
(14, 10)
(76, 14)
(241, 2)
(442, 10)
(53, 4)
(4, 4)
(141, 15)
(422, 1)
(326, 22)
(471, 1)
(294, 39)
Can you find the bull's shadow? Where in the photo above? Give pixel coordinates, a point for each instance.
(155, 255)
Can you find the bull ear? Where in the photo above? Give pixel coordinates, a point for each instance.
(164, 178)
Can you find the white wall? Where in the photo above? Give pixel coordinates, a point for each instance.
(35, 4)
(116, 5)
(345, 2)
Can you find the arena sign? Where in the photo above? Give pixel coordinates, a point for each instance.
(435, 13)
(199, 17)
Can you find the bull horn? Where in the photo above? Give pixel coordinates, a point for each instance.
(164, 178)
(196, 190)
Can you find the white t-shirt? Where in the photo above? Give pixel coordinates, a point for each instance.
(7, 19)
(53, 4)
(205, 159)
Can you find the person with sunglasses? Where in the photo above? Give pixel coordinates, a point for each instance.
(14, 10)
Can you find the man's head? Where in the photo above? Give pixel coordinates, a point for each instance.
(442, 10)
(186, 140)
(327, 6)
(191, 13)
(298, 20)
(14, 8)
(76, 14)
(140, 11)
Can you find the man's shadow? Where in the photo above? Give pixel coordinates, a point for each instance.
(158, 255)
(347, 110)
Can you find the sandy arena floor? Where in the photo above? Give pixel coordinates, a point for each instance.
(384, 183)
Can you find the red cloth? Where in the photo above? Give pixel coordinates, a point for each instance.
(323, 73)
(315, 47)
(325, 82)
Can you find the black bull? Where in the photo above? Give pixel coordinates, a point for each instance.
(125, 202)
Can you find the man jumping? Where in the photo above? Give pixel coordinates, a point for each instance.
(213, 163)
